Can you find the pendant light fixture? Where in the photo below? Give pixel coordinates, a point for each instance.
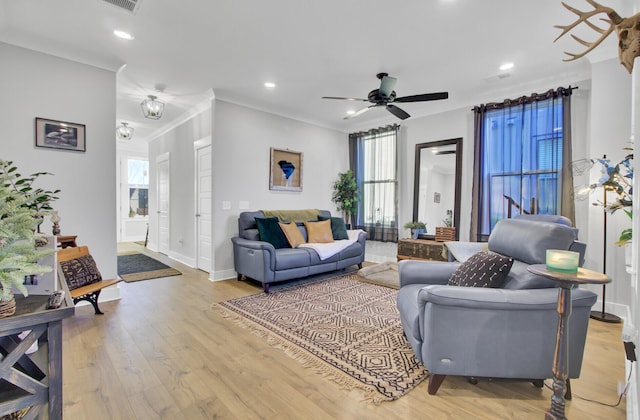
(124, 132)
(152, 108)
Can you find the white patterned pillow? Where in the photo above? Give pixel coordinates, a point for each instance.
(482, 269)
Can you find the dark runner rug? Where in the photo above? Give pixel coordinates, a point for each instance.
(346, 329)
(136, 267)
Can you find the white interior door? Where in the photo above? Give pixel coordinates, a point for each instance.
(203, 208)
(163, 205)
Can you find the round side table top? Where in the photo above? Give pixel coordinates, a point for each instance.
(583, 276)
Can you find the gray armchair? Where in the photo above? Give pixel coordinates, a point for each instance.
(493, 333)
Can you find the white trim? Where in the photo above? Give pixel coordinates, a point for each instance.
(181, 119)
(203, 142)
(223, 275)
(166, 156)
(198, 145)
(188, 261)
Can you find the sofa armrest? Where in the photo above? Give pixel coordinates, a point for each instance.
(265, 247)
(425, 272)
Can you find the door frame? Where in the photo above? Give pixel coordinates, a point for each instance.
(197, 145)
(159, 159)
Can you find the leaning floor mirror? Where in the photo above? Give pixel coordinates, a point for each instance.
(437, 183)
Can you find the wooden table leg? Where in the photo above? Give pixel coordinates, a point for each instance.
(561, 355)
(55, 369)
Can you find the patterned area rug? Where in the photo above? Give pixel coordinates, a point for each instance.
(346, 329)
(135, 267)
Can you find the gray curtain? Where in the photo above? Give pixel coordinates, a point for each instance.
(373, 160)
(521, 163)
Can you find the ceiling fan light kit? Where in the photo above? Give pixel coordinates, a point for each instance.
(152, 108)
(386, 96)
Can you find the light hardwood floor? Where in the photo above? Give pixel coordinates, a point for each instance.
(163, 352)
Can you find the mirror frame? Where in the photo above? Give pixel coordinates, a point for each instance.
(458, 181)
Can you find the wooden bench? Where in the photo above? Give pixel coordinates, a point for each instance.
(89, 292)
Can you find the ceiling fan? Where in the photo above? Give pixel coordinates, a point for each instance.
(386, 96)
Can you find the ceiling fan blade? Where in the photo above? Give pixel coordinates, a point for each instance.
(345, 99)
(360, 112)
(398, 112)
(424, 97)
(386, 86)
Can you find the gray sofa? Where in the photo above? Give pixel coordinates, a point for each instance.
(260, 261)
(508, 332)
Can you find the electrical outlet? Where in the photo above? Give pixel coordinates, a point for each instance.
(630, 350)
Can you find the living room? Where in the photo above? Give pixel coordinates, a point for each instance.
(37, 84)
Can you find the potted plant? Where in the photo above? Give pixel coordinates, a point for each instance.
(417, 228)
(18, 253)
(345, 194)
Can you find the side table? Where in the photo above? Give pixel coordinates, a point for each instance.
(65, 241)
(561, 355)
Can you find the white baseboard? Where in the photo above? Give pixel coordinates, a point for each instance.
(152, 246)
(223, 275)
(191, 262)
(612, 308)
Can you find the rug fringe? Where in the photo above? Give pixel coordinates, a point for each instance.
(306, 359)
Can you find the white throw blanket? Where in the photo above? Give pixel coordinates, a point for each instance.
(327, 250)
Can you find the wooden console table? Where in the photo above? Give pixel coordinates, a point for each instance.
(421, 249)
(24, 385)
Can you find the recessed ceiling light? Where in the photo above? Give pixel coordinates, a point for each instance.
(351, 112)
(506, 66)
(123, 35)
(269, 85)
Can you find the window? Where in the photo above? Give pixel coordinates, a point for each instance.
(138, 171)
(521, 150)
(374, 162)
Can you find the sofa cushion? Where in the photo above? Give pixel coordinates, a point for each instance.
(338, 227)
(293, 234)
(482, 269)
(319, 232)
(270, 232)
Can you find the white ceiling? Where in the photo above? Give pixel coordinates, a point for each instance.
(185, 50)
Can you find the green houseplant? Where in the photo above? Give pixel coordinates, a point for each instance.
(345, 194)
(18, 222)
(416, 228)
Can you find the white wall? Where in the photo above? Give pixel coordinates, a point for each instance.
(242, 140)
(610, 132)
(178, 142)
(444, 126)
(40, 85)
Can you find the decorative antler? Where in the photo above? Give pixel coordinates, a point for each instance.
(614, 19)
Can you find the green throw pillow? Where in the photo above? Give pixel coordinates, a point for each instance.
(270, 232)
(338, 227)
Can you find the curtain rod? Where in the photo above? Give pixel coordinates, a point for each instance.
(570, 89)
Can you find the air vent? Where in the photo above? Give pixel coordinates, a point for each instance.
(129, 5)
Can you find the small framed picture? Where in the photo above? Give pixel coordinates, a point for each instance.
(60, 135)
(436, 197)
(285, 170)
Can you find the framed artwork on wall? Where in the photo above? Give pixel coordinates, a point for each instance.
(285, 170)
(436, 197)
(61, 135)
